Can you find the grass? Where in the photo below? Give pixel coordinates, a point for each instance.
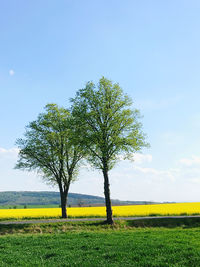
(168, 242)
(77, 226)
(7, 219)
(139, 247)
(62, 227)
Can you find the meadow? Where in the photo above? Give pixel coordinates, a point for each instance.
(96, 244)
(118, 211)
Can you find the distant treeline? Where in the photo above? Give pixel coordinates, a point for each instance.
(53, 198)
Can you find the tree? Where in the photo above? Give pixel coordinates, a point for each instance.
(109, 128)
(48, 147)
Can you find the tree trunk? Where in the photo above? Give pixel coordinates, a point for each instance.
(63, 197)
(107, 197)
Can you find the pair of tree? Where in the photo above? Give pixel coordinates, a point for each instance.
(99, 127)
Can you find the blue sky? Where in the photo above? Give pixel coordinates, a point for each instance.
(50, 49)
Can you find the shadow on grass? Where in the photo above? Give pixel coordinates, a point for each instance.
(12, 228)
(64, 227)
(165, 222)
(52, 227)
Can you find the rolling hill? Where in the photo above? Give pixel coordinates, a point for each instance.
(53, 198)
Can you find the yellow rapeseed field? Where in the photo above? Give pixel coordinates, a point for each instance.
(118, 211)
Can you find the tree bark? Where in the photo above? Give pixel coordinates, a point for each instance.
(63, 197)
(107, 197)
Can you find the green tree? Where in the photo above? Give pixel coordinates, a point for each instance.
(109, 128)
(48, 147)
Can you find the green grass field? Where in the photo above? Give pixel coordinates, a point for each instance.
(96, 244)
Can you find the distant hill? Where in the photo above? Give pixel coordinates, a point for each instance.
(53, 198)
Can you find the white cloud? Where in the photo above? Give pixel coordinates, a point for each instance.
(142, 158)
(147, 170)
(17, 180)
(138, 180)
(12, 152)
(138, 158)
(195, 180)
(194, 160)
(154, 174)
(11, 72)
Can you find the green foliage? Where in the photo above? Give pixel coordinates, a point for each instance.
(108, 124)
(109, 128)
(48, 147)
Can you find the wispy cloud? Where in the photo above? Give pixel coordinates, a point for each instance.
(142, 158)
(138, 158)
(194, 160)
(137, 180)
(12, 152)
(152, 174)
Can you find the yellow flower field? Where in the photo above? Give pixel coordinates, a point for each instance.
(118, 211)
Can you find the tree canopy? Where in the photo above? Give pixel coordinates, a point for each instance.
(48, 147)
(109, 127)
